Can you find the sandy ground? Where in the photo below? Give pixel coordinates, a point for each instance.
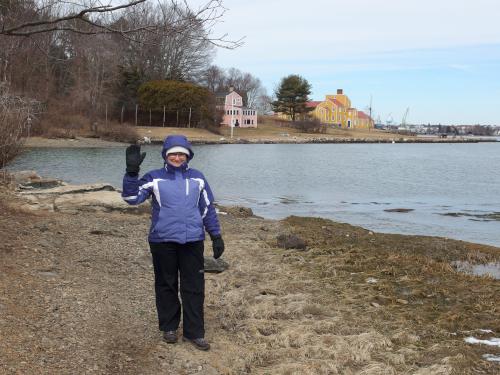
(76, 297)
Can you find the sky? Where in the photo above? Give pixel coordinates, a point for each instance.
(438, 58)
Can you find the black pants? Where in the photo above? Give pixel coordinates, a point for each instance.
(170, 259)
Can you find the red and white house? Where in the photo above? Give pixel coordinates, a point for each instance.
(235, 114)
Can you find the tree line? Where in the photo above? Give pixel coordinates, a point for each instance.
(74, 57)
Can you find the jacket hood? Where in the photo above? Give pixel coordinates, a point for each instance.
(176, 140)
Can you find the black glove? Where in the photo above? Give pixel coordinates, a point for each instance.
(134, 159)
(217, 245)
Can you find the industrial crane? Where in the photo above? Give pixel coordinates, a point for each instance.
(405, 116)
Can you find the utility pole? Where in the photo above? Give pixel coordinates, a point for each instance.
(370, 112)
(232, 116)
(370, 107)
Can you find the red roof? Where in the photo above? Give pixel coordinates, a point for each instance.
(312, 104)
(363, 115)
(335, 101)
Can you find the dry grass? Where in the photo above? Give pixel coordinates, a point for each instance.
(267, 130)
(312, 312)
(114, 131)
(416, 289)
(158, 133)
(58, 124)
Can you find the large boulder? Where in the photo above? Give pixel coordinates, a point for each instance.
(74, 198)
(94, 201)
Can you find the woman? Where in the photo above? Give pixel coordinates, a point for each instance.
(182, 209)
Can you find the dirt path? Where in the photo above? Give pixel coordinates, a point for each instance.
(76, 297)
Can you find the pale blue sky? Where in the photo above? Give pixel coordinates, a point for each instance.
(440, 58)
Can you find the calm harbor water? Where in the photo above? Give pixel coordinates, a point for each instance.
(453, 190)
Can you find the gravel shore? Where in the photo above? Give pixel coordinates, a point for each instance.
(199, 136)
(78, 142)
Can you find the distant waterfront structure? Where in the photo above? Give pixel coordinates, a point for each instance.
(235, 114)
(336, 110)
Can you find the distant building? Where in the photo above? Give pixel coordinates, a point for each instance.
(336, 110)
(235, 114)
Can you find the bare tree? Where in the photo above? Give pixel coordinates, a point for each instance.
(92, 17)
(94, 71)
(263, 103)
(249, 87)
(181, 56)
(16, 117)
(214, 78)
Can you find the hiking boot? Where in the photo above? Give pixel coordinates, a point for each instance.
(199, 343)
(170, 337)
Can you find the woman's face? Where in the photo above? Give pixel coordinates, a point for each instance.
(176, 159)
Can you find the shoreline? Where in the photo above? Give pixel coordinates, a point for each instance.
(83, 142)
(352, 300)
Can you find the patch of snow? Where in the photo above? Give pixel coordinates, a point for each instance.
(492, 342)
(491, 357)
(371, 280)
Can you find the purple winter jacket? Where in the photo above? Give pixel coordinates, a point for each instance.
(182, 201)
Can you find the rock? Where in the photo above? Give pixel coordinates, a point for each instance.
(49, 274)
(40, 207)
(43, 227)
(236, 211)
(22, 177)
(213, 265)
(100, 232)
(44, 243)
(40, 184)
(74, 198)
(71, 189)
(92, 201)
(400, 210)
(291, 241)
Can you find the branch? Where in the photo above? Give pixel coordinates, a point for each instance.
(13, 31)
(207, 15)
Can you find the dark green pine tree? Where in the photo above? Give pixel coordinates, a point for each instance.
(292, 95)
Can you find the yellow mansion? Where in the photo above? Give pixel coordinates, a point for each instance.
(336, 110)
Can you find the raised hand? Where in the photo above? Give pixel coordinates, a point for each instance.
(134, 159)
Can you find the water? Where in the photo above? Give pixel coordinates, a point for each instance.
(453, 189)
